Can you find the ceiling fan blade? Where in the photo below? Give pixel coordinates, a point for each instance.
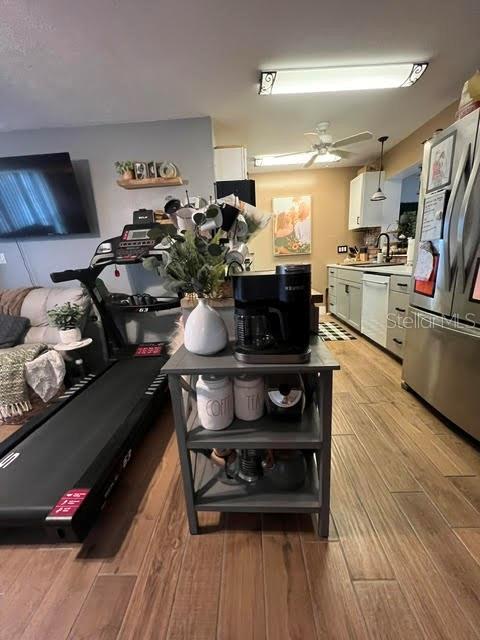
(343, 153)
(358, 137)
(311, 133)
(311, 161)
(284, 155)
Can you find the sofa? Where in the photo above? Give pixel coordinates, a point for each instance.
(39, 301)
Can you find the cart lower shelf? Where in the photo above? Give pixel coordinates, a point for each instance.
(211, 494)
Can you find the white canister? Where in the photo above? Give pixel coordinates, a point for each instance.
(249, 394)
(214, 402)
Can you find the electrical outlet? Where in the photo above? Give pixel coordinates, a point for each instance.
(342, 248)
(3, 259)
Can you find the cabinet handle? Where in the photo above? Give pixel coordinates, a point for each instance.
(400, 309)
(358, 219)
(332, 286)
(397, 341)
(401, 284)
(347, 288)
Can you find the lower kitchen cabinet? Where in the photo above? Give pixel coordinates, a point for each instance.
(355, 305)
(397, 312)
(348, 300)
(386, 305)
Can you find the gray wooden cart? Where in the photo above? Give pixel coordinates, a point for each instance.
(201, 479)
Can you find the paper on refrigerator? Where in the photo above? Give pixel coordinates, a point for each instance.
(425, 263)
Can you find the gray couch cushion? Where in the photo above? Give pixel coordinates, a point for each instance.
(12, 330)
(39, 301)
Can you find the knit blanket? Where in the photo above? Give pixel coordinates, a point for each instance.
(11, 300)
(14, 398)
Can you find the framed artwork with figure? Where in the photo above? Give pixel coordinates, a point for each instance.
(441, 163)
(292, 225)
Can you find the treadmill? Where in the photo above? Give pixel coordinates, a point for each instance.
(57, 471)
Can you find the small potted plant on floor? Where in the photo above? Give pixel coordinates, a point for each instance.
(124, 169)
(66, 318)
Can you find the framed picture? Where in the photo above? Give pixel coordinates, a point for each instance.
(292, 225)
(475, 294)
(152, 170)
(141, 170)
(441, 163)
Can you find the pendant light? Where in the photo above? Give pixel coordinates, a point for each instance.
(378, 196)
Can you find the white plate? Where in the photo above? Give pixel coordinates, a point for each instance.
(73, 345)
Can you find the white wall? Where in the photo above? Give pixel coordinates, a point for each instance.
(93, 150)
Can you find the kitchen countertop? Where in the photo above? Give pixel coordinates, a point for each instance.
(388, 270)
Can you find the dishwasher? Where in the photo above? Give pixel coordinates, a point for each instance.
(375, 307)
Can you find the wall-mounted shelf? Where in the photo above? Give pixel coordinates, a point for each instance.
(150, 183)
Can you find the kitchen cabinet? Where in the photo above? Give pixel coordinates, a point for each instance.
(365, 213)
(374, 303)
(355, 305)
(332, 286)
(348, 300)
(230, 163)
(397, 312)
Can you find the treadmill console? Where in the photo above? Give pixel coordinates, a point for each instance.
(135, 243)
(129, 248)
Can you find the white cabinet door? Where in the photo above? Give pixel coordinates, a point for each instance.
(355, 305)
(356, 196)
(365, 213)
(341, 299)
(230, 163)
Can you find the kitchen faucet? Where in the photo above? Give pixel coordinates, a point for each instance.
(388, 257)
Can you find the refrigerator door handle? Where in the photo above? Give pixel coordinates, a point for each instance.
(465, 262)
(449, 265)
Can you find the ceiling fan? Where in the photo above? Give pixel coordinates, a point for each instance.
(323, 144)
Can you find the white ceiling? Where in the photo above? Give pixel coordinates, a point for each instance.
(65, 63)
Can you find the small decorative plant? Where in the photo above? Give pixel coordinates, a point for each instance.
(124, 168)
(191, 263)
(66, 316)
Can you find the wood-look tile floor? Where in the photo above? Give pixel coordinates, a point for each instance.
(402, 562)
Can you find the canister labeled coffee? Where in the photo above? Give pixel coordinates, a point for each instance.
(214, 402)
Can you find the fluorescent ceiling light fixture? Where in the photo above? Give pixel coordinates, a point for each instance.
(297, 158)
(380, 76)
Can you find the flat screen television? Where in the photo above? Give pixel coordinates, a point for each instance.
(39, 197)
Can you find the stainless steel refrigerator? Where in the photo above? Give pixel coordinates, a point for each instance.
(442, 350)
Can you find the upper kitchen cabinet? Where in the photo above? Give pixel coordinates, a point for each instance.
(230, 163)
(365, 213)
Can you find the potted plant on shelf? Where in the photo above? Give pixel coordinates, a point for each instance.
(194, 264)
(124, 169)
(66, 318)
(196, 253)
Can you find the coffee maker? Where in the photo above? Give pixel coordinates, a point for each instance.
(272, 315)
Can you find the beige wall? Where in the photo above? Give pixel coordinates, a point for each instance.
(330, 191)
(410, 150)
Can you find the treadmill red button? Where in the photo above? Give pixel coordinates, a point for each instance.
(68, 504)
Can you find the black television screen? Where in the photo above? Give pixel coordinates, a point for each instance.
(39, 197)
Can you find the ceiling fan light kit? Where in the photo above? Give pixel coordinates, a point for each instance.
(326, 79)
(323, 150)
(378, 196)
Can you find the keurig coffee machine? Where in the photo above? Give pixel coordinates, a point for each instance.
(272, 315)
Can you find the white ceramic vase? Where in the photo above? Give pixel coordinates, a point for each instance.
(205, 331)
(67, 336)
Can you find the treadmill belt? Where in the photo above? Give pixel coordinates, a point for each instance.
(57, 454)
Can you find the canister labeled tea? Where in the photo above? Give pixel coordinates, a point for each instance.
(249, 397)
